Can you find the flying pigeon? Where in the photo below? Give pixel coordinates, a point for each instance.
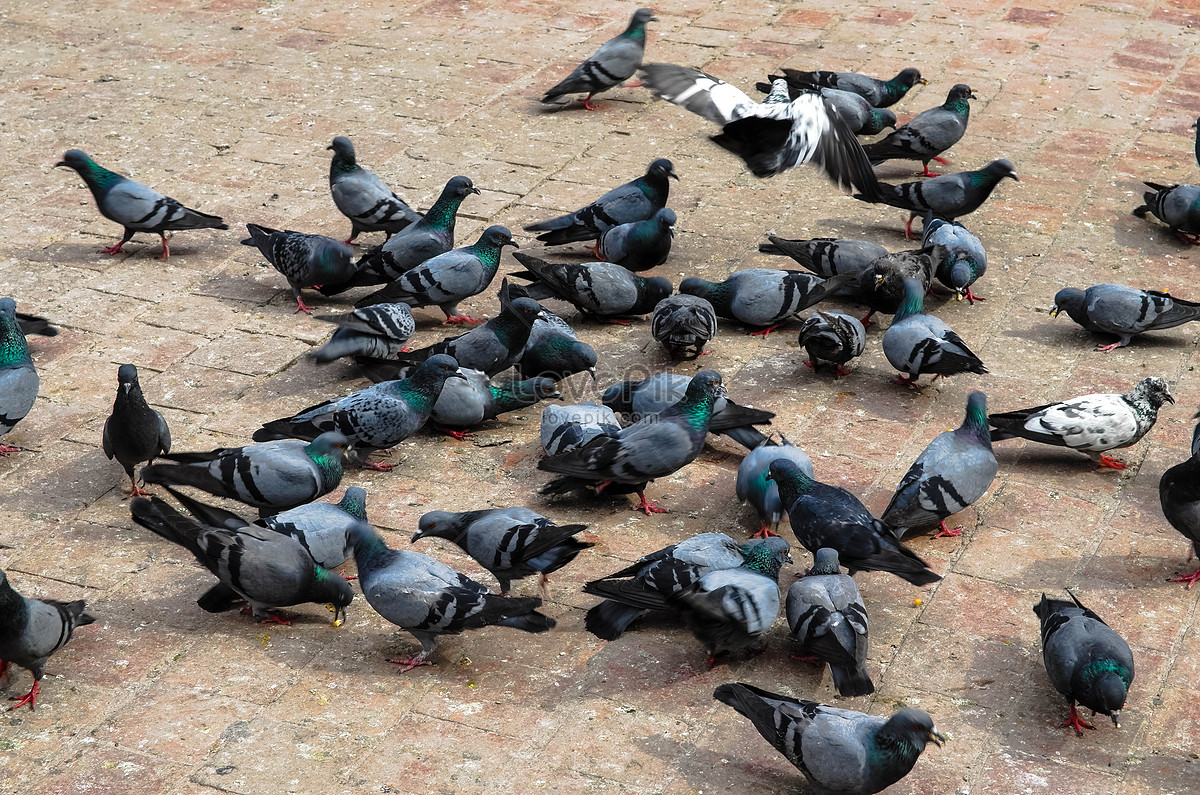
(917, 343)
(18, 378)
(959, 259)
(834, 337)
(565, 428)
(32, 324)
(1179, 496)
(362, 196)
(1123, 311)
(829, 622)
(599, 289)
(640, 245)
(379, 331)
(1177, 206)
(134, 432)
(473, 399)
(949, 196)
(684, 321)
(615, 62)
(304, 260)
(753, 485)
(880, 93)
(859, 114)
(762, 298)
(135, 206)
(928, 134)
(828, 257)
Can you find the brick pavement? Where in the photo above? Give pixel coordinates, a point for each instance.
(229, 105)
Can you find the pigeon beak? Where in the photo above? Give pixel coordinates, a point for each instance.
(1171, 399)
(937, 738)
(1056, 311)
(671, 231)
(127, 387)
(672, 173)
(417, 537)
(1013, 177)
(339, 616)
(923, 81)
(328, 148)
(512, 243)
(769, 476)
(476, 190)
(457, 374)
(61, 163)
(1116, 717)
(592, 373)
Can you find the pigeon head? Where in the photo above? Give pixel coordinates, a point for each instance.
(332, 587)
(779, 93)
(666, 220)
(330, 445)
(880, 119)
(127, 379)
(354, 502)
(558, 356)
(825, 562)
(706, 383)
(790, 478)
(656, 289)
(369, 547)
(962, 275)
(640, 18)
(497, 237)
(1152, 390)
(975, 421)
(1104, 689)
(13, 348)
(662, 168)
(76, 159)
(1001, 169)
(342, 147)
(766, 555)
(1071, 301)
(913, 728)
(527, 310)
(459, 188)
(914, 300)
(539, 388)
(439, 367)
(439, 524)
(8, 307)
(960, 91)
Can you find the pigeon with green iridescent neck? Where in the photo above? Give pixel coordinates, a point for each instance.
(916, 343)
(265, 568)
(754, 487)
(763, 298)
(134, 432)
(475, 398)
(32, 324)
(1177, 206)
(641, 245)
(18, 378)
(880, 93)
(829, 622)
(362, 196)
(955, 470)
(634, 201)
(376, 332)
(837, 750)
(860, 115)
(834, 337)
(553, 349)
(136, 207)
(828, 257)
(1179, 497)
(959, 259)
(598, 289)
(949, 196)
(682, 322)
(1086, 660)
(612, 64)
(1123, 311)
(448, 278)
(929, 134)
(304, 260)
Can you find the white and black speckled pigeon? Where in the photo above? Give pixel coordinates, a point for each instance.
(134, 432)
(565, 428)
(827, 257)
(880, 93)
(272, 477)
(448, 278)
(430, 599)
(949, 196)
(1086, 660)
(754, 487)
(1179, 497)
(641, 245)
(837, 750)
(32, 324)
(761, 297)
(954, 471)
(475, 398)
(829, 516)
(18, 378)
(959, 259)
(304, 260)
(599, 289)
(684, 321)
(31, 630)
(1123, 311)
(362, 196)
(615, 62)
(829, 622)
(916, 343)
(860, 115)
(511, 543)
(636, 200)
(833, 337)
(1091, 424)
(1177, 206)
(929, 134)
(379, 331)
(265, 568)
(135, 206)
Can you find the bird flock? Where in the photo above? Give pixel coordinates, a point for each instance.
(725, 591)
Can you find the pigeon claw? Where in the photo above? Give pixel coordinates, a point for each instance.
(29, 698)
(617, 321)
(927, 173)
(901, 380)
(839, 371)
(806, 658)
(764, 332)
(587, 103)
(302, 307)
(5, 449)
(1108, 348)
(1189, 579)
(940, 159)
(460, 319)
(1108, 462)
(945, 532)
(117, 249)
(460, 435)
(648, 507)
(410, 662)
(378, 467)
(349, 577)
(715, 657)
(274, 619)
(764, 532)
(1077, 723)
(971, 297)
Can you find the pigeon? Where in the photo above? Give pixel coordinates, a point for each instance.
(134, 432)
(833, 337)
(448, 278)
(18, 378)
(954, 471)
(135, 206)
(413, 245)
(304, 260)
(1091, 424)
(511, 543)
(362, 196)
(428, 598)
(31, 630)
(880, 93)
(829, 622)
(731, 609)
(473, 399)
(634, 201)
(553, 349)
(762, 298)
(684, 321)
(1086, 660)
(917, 343)
(753, 485)
(837, 750)
(272, 477)
(565, 428)
(1123, 311)
(600, 289)
(615, 62)
(928, 134)
(640, 245)
(860, 116)
(828, 257)
(377, 417)
(650, 396)
(959, 259)
(1179, 496)
(379, 331)
(883, 287)
(949, 196)
(829, 516)
(651, 448)
(773, 136)
(1177, 206)
(265, 568)
(32, 324)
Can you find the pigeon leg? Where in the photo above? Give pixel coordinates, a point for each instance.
(166, 250)
(601, 486)
(908, 227)
(648, 507)
(1190, 579)
(5, 449)
(866, 320)
(617, 321)
(349, 577)
(941, 160)
(1110, 348)
(544, 585)
(587, 103)
(839, 371)
(1075, 722)
(29, 698)
(134, 491)
(715, 657)
(810, 365)
(971, 297)
(945, 532)
(904, 381)
(301, 306)
(635, 84)
(763, 332)
(806, 658)
(117, 249)
(378, 467)
(764, 532)
(1187, 237)
(926, 172)
(457, 319)
(269, 617)
(410, 662)
(1108, 462)
(700, 353)
(460, 435)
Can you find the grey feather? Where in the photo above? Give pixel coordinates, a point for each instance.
(829, 621)
(634, 201)
(832, 337)
(475, 398)
(959, 259)
(929, 134)
(1177, 206)
(753, 485)
(917, 343)
(761, 297)
(684, 321)
(134, 432)
(640, 245)
(615, 61)
(304, 260)
(827, 256)
(602, 289)
(379, 331)
(18, 379)
(565, 428)
(362, 196)
(1123, 311)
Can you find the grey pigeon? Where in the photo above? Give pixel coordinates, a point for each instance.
(929, 134)
(773, 136)
(379, 331)
(134, 432)
(511, 543)
(615, 62)
(684, 321)
(475, 398)
(880, 93)
(430, 599)
(362, 196)
(304, 260)
(949, 196)
(829, 622)
(375, 418)
(916, 343)
(448, 278)
(265, 568)
(883, 287)
(827, 257)
(1123, 311)
(135, 206)
(18, 378)
(1179, 497)
(762, 298)
(829, 516)
(1177, 206)
(1086, 660)
(640, 245)
(599, 289)
(32, 324)
(565, 428)
(30, 631)
(833, 337)
(954, 471)
(553, 349)
(860, 115)
(1091, 424)
(837, 750)
(959, 259)
(755, 487)
(636, 200)
(272, 477)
